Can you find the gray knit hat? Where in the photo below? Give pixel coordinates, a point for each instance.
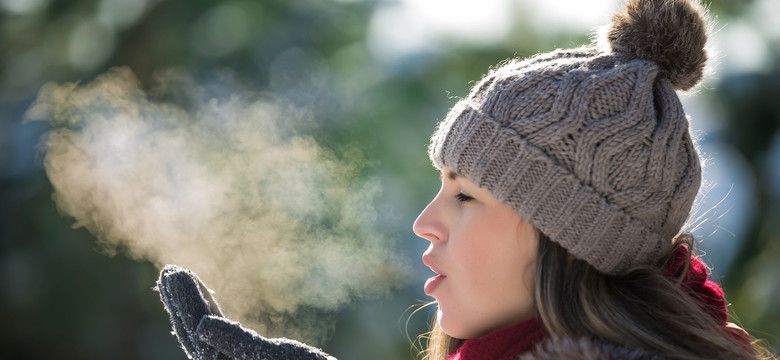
(591, 145)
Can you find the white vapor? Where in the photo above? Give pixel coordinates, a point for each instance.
(280, 227)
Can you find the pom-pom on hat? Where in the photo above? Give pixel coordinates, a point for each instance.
(591, 145)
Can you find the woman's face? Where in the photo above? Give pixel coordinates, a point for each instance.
(485, 256)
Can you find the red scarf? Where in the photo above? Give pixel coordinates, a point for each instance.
(707, 293)
(503, 344)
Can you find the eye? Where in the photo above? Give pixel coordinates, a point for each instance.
(463, 197)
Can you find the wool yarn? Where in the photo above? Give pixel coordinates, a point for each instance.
(591, 145)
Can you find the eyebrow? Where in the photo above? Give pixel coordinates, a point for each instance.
(451, 175)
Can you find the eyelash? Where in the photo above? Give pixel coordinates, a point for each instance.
(463, 197)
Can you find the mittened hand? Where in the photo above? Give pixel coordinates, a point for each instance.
(204, 333)
(230, 339)
(187, 301)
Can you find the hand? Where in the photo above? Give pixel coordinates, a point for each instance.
(204, 333)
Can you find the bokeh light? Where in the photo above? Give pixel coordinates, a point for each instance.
(367, 80)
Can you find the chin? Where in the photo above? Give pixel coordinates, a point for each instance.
(454, 328)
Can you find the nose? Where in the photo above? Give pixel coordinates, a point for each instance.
(429, 224)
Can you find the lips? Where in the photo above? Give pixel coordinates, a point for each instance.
(434, 282)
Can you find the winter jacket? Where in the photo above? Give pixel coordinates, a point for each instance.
(556, 348)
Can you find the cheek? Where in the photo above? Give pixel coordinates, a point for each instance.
(497, 254)
(487, 239)
(502, 267)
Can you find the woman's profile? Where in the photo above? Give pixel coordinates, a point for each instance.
(558, 231)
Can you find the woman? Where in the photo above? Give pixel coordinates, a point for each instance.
(584, 159)
(557, 233)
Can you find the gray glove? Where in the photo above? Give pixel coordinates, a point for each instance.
(204, 333)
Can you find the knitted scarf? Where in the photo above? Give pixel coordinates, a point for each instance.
(707, 293)
(503, 344)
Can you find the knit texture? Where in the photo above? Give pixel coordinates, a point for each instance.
(204, 333)
(589, 145)
(693, 280)
(187, 301)
(693, 276)
(503, 344)
(236, 342)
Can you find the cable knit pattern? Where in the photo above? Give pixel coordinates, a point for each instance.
(596, 156)
(591, 147)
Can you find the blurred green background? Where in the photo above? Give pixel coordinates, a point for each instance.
(378, 75)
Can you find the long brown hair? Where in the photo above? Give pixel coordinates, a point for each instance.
(640, 309)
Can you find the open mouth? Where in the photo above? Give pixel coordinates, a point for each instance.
(434, 282)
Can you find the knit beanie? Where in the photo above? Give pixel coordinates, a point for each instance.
(591, 145)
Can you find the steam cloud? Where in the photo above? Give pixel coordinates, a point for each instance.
(281, 228)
